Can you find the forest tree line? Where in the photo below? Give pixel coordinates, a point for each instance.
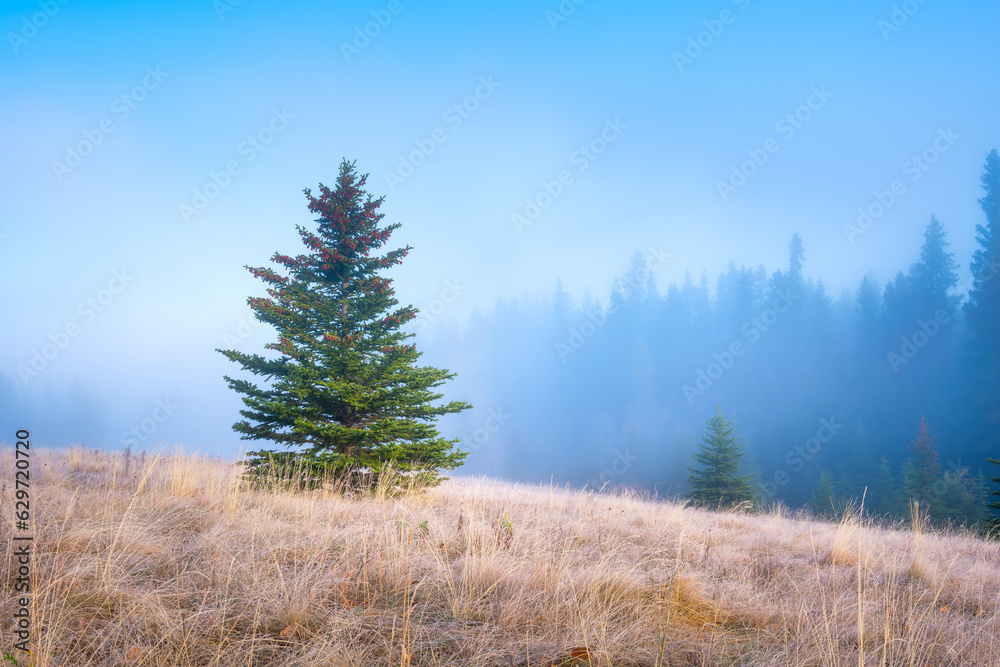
(834, 397)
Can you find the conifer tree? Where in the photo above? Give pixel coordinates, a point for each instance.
(960, 497)
(719, 454)
(934, 275)
(824, 499)
(922, 471)
(819, 320)
(869, 307)
(563, 311)
(886, 498)
(982, 310)
(345, 389)
(983, 307)
(899, 308)
(995, 523)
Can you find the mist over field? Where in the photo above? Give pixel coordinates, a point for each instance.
(621, 217)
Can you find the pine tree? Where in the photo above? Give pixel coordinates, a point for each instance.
(885, 499)
(983, 307)
(819, 320)
(980, 499)
(868, 309)
(934, 275)
(922, 471)
(900, 309)
(824, 499)
(345, 388)
(995, 523)
(702, 319)
(737, 298)
(960, 497)
(562, 308)
(563, 317)
(982, 310)
(790, 282)
(719, 454)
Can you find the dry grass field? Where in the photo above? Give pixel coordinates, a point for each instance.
(177, 563)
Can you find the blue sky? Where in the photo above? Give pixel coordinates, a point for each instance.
(185, 88)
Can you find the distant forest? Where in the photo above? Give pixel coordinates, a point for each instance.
(827, 393)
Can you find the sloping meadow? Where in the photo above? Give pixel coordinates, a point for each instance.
(172, 560)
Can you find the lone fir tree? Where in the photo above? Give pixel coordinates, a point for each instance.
(719, 453)
(345, 390)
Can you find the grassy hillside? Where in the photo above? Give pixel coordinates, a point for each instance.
(176, 563)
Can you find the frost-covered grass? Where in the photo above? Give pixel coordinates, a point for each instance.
(178, 563)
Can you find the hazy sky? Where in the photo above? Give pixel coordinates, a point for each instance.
(151, 150)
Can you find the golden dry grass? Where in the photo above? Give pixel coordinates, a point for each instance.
(179, 564)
